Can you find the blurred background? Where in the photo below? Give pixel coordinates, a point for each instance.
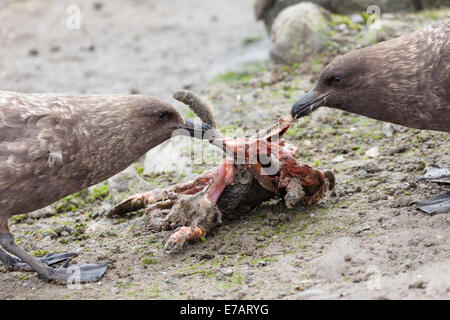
(123, 46)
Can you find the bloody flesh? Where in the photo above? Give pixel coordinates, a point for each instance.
(236, 186)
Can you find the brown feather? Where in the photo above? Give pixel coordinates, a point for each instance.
(53, 145)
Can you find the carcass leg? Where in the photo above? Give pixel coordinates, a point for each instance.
(201, 209)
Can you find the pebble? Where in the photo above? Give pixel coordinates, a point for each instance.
(47, 240)
(364, 228)
(283, 293)
(418, 285)
(373, 152)
(363, 174)
(263, 263)
(54, 235)
(339, 158)
(42, 213)
(96, 227)
(227, 272)
(260, 238)
(357, 18)
(388, 130)
(115, 290)
(33, 52)
(62, 229)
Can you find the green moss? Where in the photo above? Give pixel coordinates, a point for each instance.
(79, 229)
(80, 199)
(72, 202)
(366, 15)
(39, 253)
(153, 293)
(237, 279)
(251, 40)
(337, 19)
(19, 218)
(232, 76)
(99, 193)
(148, 261)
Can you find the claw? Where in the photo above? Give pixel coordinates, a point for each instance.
(179, 238)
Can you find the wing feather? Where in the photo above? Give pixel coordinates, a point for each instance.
(33, 130)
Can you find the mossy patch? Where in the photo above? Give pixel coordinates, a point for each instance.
(337, 19)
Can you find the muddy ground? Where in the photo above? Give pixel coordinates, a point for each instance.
(364, 240)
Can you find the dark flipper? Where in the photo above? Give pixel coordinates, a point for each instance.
(80, 273)
(75, 273)
(439, 204)
(48, 260)
(437, 174)
(67, 274)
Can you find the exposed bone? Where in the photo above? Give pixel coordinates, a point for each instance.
(278, 129)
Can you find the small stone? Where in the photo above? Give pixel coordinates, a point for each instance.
(43, 213)
(283, 293)
(98, 6)
(227, 272)
(401, 202)
(55, 48)
(260, 238)
(96, 227)
(418, 285)
(47, 240)
(54, 235)
(307, 143)
(357, 19)
(65, 234)
(263, 263)
(33, 52)
(339, 158)
(299, 32)
(206, 256)
(342, 27)
(373, 152)
(362, 229)
(363, 174)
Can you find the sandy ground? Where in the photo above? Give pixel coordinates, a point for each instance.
(362, 241)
